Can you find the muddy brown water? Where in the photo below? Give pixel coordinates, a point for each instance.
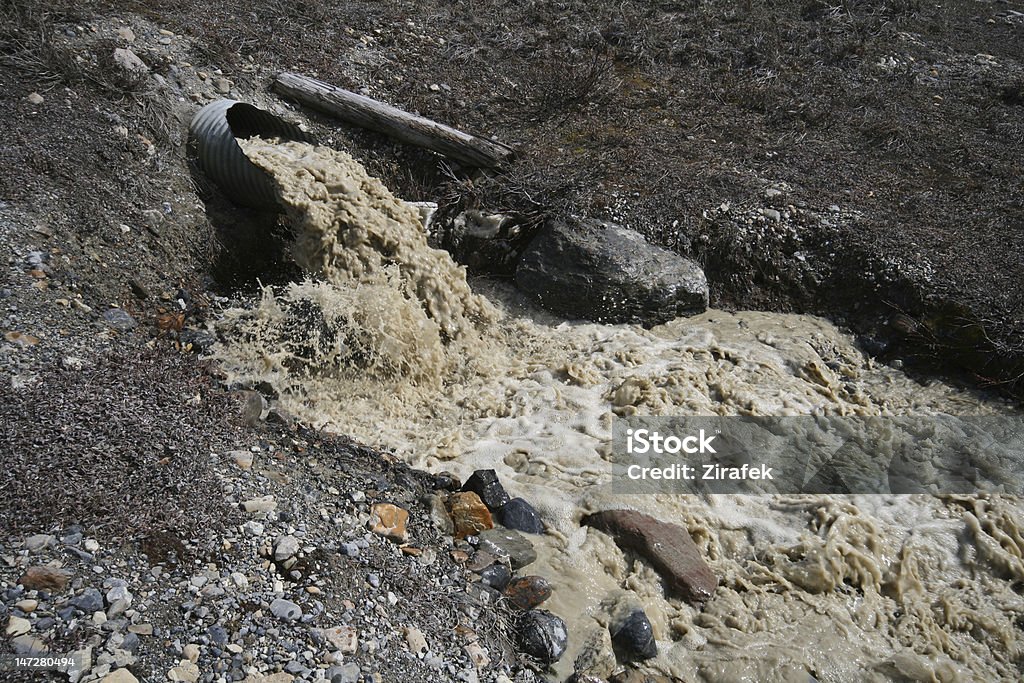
(385, 340)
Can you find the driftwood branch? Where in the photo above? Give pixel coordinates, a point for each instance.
(384, 118)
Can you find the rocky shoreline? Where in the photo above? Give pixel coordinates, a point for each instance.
(324, 581)
(310, 584)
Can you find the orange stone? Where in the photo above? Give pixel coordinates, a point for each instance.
(469, 514)
(389, 521)
(21, 339)
(41, 578)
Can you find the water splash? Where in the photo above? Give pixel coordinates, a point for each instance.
(387, 342)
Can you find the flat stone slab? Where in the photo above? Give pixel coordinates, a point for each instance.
(668, 547)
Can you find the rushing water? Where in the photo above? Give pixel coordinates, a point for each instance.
(386, 341)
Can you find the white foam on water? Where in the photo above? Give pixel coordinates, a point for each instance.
(386, 341)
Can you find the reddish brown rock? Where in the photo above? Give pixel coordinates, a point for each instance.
(469, 514)
(526, 592)
(42, 578)
(481, 560)
(668, 547)
(389, 521)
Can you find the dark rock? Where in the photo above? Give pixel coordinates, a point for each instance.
(467, 604)
(508, 543)
(28, 645)
(486, 243)
(138, 289)
(130, 642)
(496, 576)
(485, 484)
(873, 345)
(410, 480)
(480, 561)
(278, 415)
(446, 481)
(88, 558)
(633, 636)
(296, 668)
(483, 595)
(218, 635)
(519, 515)
(114, 625)
(72, 539)
(600, 271)
(667, 547)
(90, 601)
(526, 592)
(199, 340)
(542, 635)
(72, 535)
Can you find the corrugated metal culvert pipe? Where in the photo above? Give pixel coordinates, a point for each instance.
(213, 131)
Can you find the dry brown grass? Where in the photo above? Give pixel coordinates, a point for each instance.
(30, 47)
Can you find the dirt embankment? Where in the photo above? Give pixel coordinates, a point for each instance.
(860, 160)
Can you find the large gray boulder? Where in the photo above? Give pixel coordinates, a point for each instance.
(600, 271)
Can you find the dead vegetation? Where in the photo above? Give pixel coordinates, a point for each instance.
(29, 47)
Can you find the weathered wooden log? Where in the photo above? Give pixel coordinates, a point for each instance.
(384, 118)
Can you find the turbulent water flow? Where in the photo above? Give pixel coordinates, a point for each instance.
(386, 341)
